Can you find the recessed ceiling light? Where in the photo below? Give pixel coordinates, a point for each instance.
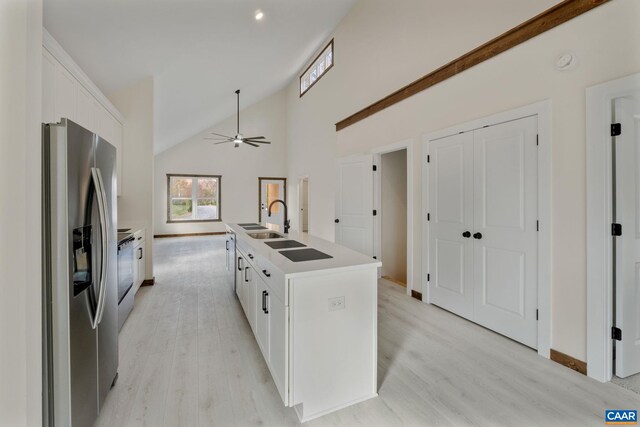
(259, 15)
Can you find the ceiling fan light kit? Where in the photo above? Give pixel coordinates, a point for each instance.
(238, 139)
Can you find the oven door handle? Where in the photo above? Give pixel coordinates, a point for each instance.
(104, 244)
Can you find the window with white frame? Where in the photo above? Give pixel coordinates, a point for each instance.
(193, 198)
(317, 69)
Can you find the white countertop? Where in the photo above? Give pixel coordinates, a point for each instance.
(343, 258)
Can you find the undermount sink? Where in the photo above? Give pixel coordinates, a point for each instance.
(266, 235)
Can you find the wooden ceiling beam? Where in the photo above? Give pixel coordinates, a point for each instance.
(550, 18)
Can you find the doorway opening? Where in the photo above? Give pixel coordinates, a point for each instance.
(392, 194)
(270, 190)
(393, 214)
(303, 203)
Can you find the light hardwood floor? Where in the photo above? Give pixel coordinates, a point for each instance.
(188, 357)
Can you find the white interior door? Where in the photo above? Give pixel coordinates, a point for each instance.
(451, 223)
(505, 229)
(272, 189)
(482, 247)
(627, 255)
(354, 203)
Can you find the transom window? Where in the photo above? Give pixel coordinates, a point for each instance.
(193, 198)
(317, 69)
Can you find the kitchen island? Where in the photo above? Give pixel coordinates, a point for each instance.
(312, 306)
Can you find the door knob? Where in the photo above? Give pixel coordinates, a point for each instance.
(336, 221)
(477, 236)
(466, 234)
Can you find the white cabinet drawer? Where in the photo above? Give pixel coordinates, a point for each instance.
(242, 247)
(139, 236)
(272, 277)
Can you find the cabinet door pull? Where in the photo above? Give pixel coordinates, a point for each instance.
(239, 266)
(263, 302)
(266, 273)
(266, 307)
(140, 256)
(245, 274)
(250, 256)
(226, 244)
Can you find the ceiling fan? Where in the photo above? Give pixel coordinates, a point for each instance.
(238, 139)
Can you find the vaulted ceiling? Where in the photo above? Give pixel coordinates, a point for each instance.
(198, 51)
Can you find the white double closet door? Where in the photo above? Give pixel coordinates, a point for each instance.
(483, 227)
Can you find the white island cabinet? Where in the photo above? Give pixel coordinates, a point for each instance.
(315, 321)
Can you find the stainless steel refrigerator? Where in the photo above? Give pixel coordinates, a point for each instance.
(80, 307)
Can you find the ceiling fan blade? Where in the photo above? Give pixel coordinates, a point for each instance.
(222, 142)
(251, 143)
(223, 136)
(258, 142)
(219, 139)
(255, 137)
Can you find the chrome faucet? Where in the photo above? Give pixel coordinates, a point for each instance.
(286, 218)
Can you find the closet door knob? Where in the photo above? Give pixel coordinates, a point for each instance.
(466, 234)
(477, 236)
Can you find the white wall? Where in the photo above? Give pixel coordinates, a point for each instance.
(393, 180)
(135, 205)
(382, 45)
(20, 219)
(239, 167)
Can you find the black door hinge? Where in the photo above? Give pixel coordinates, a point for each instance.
(428, 158)
(375, 212)
(537, 139)
(616, 334)
(428, 277)
(616, 229)
(428, 217)
(537, 225)
(375, 257)
(375, 168)
(536, 314)
(616, 129)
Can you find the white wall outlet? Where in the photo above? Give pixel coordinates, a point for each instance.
(336, 303)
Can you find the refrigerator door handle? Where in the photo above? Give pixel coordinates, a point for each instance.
(104, 242)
